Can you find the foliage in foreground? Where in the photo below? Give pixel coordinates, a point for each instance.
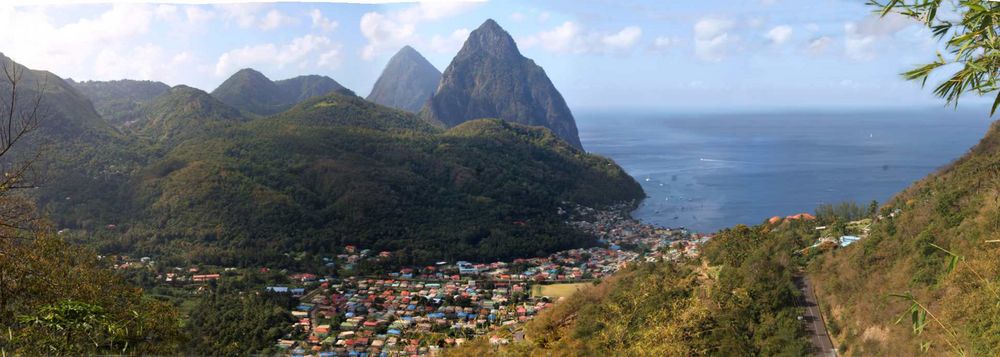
(59, 299)
(971, 39)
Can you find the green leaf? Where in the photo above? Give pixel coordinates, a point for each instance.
(996, 102)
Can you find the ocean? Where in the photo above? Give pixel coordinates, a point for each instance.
(705, 172)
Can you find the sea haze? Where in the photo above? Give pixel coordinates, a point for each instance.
(710, 171)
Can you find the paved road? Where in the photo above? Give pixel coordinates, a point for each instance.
(822, 345)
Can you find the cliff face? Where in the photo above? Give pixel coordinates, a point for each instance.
(489, 78)
(407, 81)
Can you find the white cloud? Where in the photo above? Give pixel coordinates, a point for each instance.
(166, 12)
(664, 43)
(819, 45)
(779, 34)
(562, 39)
(274, 19)
(624, 39)
(305, 51)
(198, 15)
(387, 31)
(147, 61)
(517, 17)
(321, 22)
(243, 15)
(332, 58)
(569, 37)
(451, 43)
(712, 40)
(67, 49)
(860, 39)
(246, 16)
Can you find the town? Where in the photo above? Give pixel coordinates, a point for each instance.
(421, 310)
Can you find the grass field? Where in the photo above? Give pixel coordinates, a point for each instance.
(557, 290)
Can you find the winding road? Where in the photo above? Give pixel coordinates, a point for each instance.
(822, 345)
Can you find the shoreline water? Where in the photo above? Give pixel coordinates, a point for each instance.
(712, 171)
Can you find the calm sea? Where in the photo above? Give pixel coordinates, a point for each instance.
(711, 171)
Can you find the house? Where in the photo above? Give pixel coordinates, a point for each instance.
(205, 277)
(847, 240)
(466, 268)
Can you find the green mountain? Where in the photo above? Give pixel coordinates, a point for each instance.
(489, 78)
(119, 101)
(407, 81)
(251, 91)
(194, 180)
(81, 162)
(183, 113)
(340, 170)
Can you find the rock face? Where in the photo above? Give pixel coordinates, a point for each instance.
(407, 81)
(489, 78)
(251, 91)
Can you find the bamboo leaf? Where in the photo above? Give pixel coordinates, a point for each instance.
(996, 102)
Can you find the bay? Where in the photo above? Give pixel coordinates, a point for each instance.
(707, 171)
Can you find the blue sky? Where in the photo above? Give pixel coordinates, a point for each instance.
(664, 55)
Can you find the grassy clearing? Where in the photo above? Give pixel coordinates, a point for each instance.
(557, 290)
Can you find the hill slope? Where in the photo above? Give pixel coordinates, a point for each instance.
(250, 91)
(955, 209)
(339, 170)
(489, 78)
(119, 101)
(182, 113)
(407, 81)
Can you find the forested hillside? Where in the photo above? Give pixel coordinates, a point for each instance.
(119, 101)
(937, 242)
(340, 170)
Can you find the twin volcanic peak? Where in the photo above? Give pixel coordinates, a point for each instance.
(407, 81)
(489, 78)
(251, 91)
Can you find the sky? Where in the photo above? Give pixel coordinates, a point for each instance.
(677, 55)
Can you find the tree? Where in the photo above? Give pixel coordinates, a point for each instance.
(972, 43)
(21, 111)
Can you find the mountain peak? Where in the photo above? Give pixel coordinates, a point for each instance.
(249, 72)
(407, 81)
(491, 38)
(489, 78)
(491, 25)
